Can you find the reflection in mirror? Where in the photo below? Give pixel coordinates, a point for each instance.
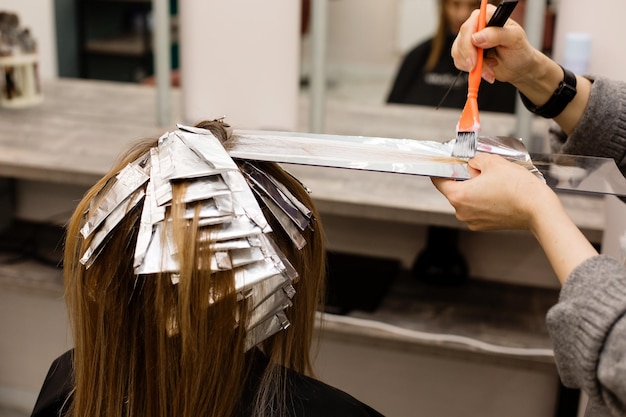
(368, 41)
(427, 73)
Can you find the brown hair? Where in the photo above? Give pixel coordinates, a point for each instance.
(439, 40)
(147, 348)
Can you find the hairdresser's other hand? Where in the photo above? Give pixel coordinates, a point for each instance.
(500, 195)
(504, 195)
(512, 59)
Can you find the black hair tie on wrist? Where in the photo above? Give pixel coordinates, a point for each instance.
(561, 97)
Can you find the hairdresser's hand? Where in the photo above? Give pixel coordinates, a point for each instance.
(512, 59)
(516, 61)
(500, 195)
(504, 195)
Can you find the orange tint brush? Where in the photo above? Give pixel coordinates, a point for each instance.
(469, 125)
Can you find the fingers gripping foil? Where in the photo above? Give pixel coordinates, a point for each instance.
(232, 225)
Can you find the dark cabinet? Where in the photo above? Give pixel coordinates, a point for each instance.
(115, 39)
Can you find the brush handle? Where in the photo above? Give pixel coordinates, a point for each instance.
(499, 18)
(502, 13)
(473, 80)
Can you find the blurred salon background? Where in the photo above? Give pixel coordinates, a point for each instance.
(80, 77)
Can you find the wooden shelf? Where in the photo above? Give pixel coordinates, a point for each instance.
(129, 45)
(115, 39)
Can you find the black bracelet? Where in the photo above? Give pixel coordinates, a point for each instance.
(561, 97)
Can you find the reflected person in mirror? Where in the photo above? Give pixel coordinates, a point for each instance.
(588, 324)
(427, 71)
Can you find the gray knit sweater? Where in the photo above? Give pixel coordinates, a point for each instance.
(588, 325)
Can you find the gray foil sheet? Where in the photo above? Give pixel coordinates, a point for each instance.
(245, 199)
(287, 202)
(274, 303)
(237, 258)
(240, 227)
(108, 224)
(206, 187)
(402, 156)
(285, 222)
(257, 295)
(279, 258)
(426, 158)
(253, 274)
(158, 256)
(209, 148)
(233, 244)
(119, 189)
(266, 329)
(178, 161)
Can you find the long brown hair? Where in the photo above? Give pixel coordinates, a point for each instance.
(147, 348)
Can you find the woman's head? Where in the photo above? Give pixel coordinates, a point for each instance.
(455, 12)
(179, 261)
(452, 14)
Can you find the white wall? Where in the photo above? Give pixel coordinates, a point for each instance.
(240, 60)
(362, 35)
(607, 50)
(38, 16)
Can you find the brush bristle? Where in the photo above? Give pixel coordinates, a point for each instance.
(465, 145)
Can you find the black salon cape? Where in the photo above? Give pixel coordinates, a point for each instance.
(413, 86)
(309, 397)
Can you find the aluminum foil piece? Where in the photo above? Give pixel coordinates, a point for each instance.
(253, 274)
(245, 201)
(150, 215)
(178, 160)
(108, 224)
(239, 227)
(426, 158)
(119, 189)
(268, 287)
(270, 306)
(266, 329)
(353, 152)
(205, 188)
(234, 244)
(209, 148)
(265, 183)
(402, 156)
(158, 256)
(279, 259)
(237, 258)
(285, 221)
(162, 187)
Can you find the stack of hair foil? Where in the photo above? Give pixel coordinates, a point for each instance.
(227, 196)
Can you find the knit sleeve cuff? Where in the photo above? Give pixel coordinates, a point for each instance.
(602, 128)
